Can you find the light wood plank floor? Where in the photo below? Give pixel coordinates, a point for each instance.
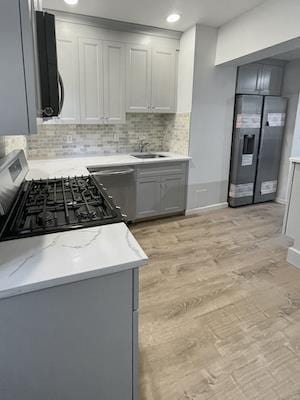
(219, 308)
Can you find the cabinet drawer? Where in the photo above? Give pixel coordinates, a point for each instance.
(167, 168)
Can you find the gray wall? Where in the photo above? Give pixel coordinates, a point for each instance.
(291, 145)
(211, 123)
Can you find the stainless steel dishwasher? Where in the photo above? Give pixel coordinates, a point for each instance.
(120, 183)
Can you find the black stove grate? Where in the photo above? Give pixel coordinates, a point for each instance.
(52, 205)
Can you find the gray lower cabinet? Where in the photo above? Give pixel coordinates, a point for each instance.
(161, 189)
(148, 196)
(173, 194)
(72, 342)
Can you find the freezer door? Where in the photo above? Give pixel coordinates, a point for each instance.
(273, 122)
(245, 142)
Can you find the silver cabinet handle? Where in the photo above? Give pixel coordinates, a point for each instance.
(109, 173)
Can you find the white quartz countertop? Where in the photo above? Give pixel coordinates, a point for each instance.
(44, 261)
(295, 159)
(41, 262)
(63, 167)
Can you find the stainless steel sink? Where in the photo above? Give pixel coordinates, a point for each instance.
(147, 155)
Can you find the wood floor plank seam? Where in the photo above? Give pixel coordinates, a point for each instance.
(219, 307)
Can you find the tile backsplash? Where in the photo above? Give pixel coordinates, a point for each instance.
(163, 132)
(10, 143)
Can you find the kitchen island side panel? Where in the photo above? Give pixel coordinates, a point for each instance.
(69, 342)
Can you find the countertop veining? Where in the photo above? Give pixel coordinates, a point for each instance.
(41, 262)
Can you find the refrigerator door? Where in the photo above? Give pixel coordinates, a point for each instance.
(246, 134)
(273, 123)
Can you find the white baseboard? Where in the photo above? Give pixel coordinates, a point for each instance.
(294, 257)
(280, 201)
(206, 208)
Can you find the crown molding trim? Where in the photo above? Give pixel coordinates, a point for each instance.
(115, 25)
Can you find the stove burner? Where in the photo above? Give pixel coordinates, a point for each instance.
(81, 183)
(86, 214)
(59, 204)
(45, 218)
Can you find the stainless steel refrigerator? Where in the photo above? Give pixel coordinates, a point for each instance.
(256, 148)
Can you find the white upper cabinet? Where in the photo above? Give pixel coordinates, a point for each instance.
(108, 73)
(91, 81)
(151, 79)
(114, 82)
(67, 55)
(102, 81)
(164, 74)
(138, 80)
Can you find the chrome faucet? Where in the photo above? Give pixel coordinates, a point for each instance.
(143, 145)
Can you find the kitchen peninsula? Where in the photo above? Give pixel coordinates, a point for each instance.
(68, 299)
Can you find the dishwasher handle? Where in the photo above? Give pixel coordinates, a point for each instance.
(113, 173)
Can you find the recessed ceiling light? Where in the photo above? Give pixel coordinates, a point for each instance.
(173, 18)
(71, 2)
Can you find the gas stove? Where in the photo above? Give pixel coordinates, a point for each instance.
(52, 205)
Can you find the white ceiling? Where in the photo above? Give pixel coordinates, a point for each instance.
(154, 12)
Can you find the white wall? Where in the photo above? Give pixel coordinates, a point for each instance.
(291, 140)
(271, 23)
(296, 140)
(211, 123)
(186, 71)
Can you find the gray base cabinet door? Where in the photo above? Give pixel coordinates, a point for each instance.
(148, 197)
(160, 194)
(71, 342)
(173, 194)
